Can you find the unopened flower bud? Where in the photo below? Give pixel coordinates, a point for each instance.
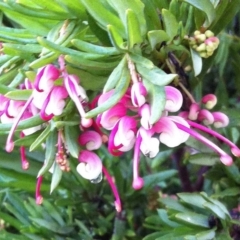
(201, 37)
(201, 47)
(196, 33)
(209, 33)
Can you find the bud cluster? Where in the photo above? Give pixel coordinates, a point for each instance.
(204, 43)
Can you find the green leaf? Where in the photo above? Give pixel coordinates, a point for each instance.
(53, 212)
(206, 159)
(138, 59)
(103, 16)
(89, 80)
(156, 98)
(194, 199)
(53, 227)
(162, 213)
(19, 95)
(133, 29)
(173, 204)
(155, 75)
(41, 138)
(91, 65)
(10, 220)
(193, 219)
(67, 51)
(197, 62)
(71, 135)
(115, 37)
(215, 209)
(170, 24)
(115, 76)
(205, 6)
(134, 5)
(119, 91)
(28, 123)
(92, 48)
(206, 235)
(156, 178)
(50, 153)
(56, 177)
(226, 15)
(232, 191)
(156, 37)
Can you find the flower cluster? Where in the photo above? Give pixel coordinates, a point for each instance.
(204, 43)
(124, 127)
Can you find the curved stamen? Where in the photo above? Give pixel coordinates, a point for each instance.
(224, 157)
(235, 150)
(38, 196)
(113, 186)
(25, 163)
(137, 181)
(10, 144)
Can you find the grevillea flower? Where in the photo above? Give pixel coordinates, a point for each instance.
(170, 134)
(78, 95)
(91, 139)
(122, 137)
(54, 103)
(45, 78)
(109, 118)
(90, 166)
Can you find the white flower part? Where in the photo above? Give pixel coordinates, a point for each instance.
(125, 135)
(149, 145)
(145, 116)
(87, 171)
(39, 98)
(150, 148)
(90, 166)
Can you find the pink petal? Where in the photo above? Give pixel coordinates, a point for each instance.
(170, 135)
(90, 166)
(174, 99)
(45, 78)
(112, 115)
(220, 119)
(206, 117)
(91, 139)
(56, 103)
(209, 100)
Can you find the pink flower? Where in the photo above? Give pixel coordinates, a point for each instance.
(122, 137)
(170, 134)
(54, 103)
(78, 95)
(90, 166)
(109, 118)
